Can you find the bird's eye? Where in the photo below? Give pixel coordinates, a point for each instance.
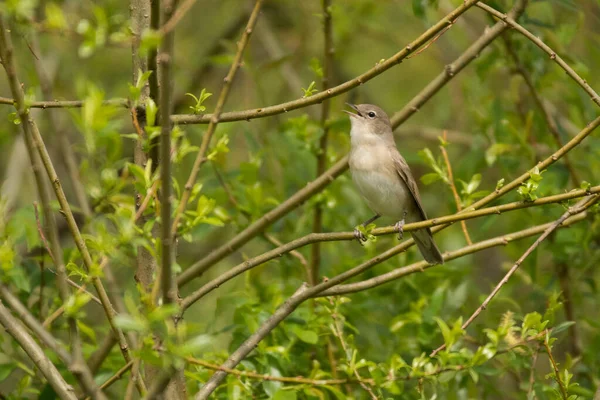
(371, 114)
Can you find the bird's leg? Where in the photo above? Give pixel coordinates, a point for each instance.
(359, 235)
(400, 226)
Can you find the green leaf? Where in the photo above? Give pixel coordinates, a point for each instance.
(563, 326)
(151, 39)
(310, 90)
(128, 323)
(306, 336)
(283, 394)
(75, 303)
(151, 111)
(429, 178)
(196, 344)
(273, 387)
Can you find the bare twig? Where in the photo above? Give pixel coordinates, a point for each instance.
(538, 42)
(578, 208)
(215, 118)
(65, 103)
(265, 377)
(457, 200)
(117, 375)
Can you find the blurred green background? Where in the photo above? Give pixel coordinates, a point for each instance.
(494, 129)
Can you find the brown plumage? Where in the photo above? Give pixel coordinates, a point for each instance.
(384, 178)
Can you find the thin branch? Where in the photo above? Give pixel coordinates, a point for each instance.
(199, 267)
(421, 266)
(35, 352)
(561, 385)
(337, 90)
(578, 208)
(179, 13)
(336, 236)
(315, 259)
(452, 185)
(553, 56)
(215, 118)
(265, 377)
(117, 375)
(165, 59)
(65, 103)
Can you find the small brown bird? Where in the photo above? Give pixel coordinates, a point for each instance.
(384, 178)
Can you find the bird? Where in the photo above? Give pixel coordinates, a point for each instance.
(383, 177)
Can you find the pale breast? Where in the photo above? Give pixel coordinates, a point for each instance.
(377, 181)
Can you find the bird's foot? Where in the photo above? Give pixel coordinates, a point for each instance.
(400, 228)
(359, 236)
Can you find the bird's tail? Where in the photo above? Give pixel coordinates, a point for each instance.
(427, 246)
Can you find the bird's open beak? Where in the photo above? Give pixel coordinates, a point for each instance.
(352, 106)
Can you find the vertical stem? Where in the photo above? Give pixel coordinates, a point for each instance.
(315, 261)
(165, 59)
(561, 385)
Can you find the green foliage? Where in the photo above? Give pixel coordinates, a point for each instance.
(198, 107)
(310, 90)
(383, 336)
(528, 189)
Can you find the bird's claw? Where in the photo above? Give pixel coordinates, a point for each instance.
(400, 228)
(359, 236)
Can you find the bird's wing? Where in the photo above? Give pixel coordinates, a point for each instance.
(403, 171)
